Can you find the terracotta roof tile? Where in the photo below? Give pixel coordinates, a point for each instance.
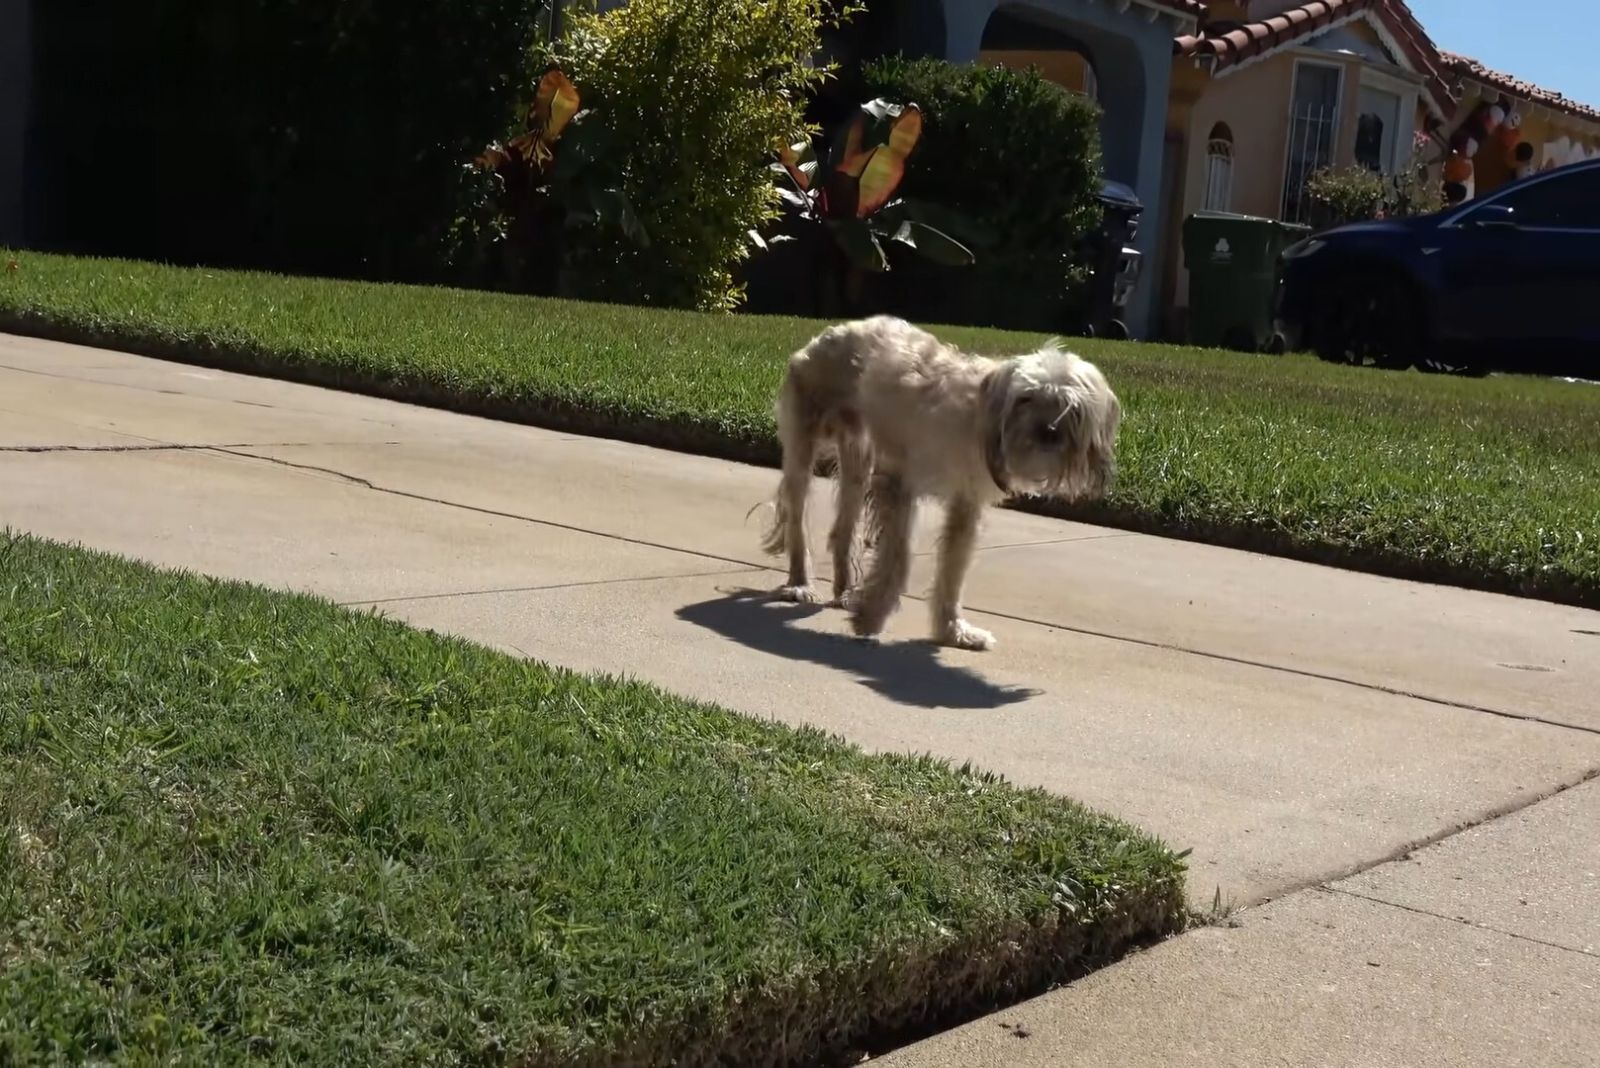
(1188, 7)
(1467, 67)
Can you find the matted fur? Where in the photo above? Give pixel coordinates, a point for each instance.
(907, 417)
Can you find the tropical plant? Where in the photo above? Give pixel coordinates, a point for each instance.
(851, 190)
(693, 95)
(551, 176)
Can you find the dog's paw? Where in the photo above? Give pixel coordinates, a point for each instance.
(867, 625)
(963, 635)
(848, 600)
(866, 630)
(797, 595)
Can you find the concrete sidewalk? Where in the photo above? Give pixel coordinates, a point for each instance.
(1482, 950)
(1292, 724)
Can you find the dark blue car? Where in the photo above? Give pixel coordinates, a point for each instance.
(1507, 282)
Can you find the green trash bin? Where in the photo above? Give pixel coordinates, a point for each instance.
(1233, 277)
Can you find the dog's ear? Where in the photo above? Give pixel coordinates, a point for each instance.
(996, 391)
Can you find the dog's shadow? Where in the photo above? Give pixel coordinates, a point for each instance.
(908, 673)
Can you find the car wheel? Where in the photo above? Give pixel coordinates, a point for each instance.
(1369, 318)
(1239, 339)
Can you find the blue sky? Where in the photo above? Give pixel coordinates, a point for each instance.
(1547, 42)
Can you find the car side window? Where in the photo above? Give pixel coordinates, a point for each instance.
(1570, 202)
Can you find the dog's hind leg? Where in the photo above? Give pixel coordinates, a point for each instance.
(788, 531)
(956, 544)
(855, 468)
(894, 510)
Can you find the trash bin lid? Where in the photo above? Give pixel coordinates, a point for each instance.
(1233, 216)
(1119, 195)
(1223, 240)
(1259, 220)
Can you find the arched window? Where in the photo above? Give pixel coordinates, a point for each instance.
(1219, 169)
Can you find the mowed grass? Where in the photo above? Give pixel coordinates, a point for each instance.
(1490, 483)
(244, 825)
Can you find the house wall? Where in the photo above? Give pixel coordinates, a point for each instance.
(1254, 103)
(1189, 85)
(1566, 142)
(16, 78)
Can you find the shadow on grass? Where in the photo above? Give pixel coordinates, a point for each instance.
(907, 673)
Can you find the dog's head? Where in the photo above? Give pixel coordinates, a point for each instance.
(1052, 425)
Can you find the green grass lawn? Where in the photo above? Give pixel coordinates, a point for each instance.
(237, 824)
(1490, 483)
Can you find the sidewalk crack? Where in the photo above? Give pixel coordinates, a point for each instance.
(1147, 643)
(544, 588)
(1328, 879)
(173, 447)
(1462, 920)
(366, 483)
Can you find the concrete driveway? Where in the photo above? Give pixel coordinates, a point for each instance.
(1304, 730)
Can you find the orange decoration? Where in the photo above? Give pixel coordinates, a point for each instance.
(1457, 168)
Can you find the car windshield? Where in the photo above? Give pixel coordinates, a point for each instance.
(1566, 201)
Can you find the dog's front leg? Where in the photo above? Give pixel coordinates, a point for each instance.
(956, 545)
(893, 512)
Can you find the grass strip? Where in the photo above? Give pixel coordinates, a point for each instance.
(238, 825)
(1492, 484)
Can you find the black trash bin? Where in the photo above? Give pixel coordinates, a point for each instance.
(1113, 262)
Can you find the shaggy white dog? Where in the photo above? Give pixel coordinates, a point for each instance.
(907, 417)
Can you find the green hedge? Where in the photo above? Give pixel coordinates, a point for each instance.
(1019, 155)
(316, 136)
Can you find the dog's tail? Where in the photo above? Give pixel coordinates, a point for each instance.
(773, 539)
